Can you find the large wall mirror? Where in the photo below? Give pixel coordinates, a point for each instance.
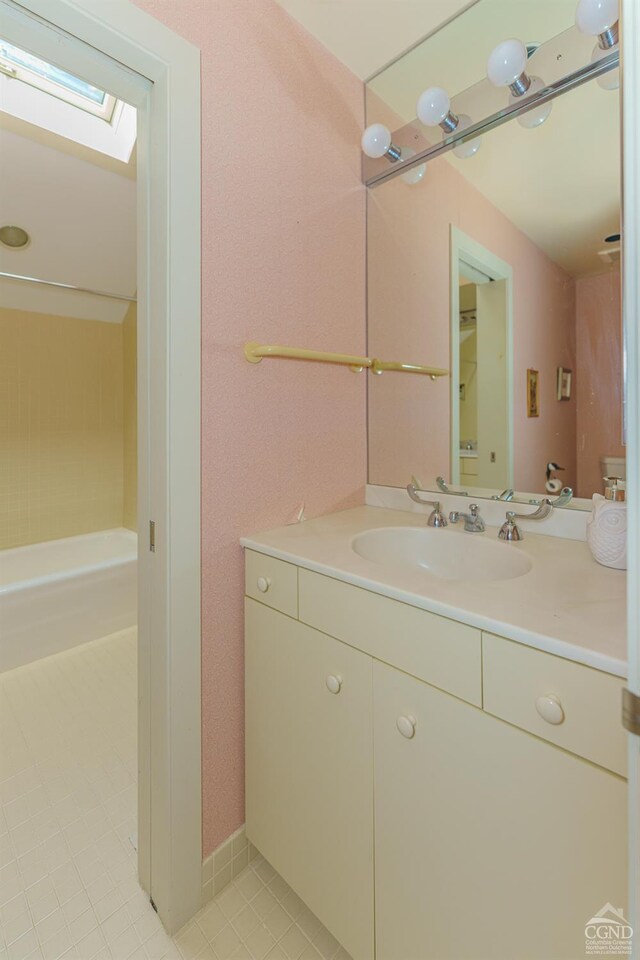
(500, 262)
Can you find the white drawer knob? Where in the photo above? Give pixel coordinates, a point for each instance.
(550, 709)
(263, 584)
(407, 726)
(334, 684)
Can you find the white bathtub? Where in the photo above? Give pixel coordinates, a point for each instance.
(58, 594)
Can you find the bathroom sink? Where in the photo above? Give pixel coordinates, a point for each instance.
(443, 553)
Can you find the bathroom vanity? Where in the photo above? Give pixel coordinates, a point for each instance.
(436, 766)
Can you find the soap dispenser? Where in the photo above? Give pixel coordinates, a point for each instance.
(607, 526)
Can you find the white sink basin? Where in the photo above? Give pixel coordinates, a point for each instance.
(443, 553)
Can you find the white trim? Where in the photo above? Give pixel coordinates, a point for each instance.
(120, 45)
(630, 72)
(464, 248)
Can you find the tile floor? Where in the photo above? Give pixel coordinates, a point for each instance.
(68, 885)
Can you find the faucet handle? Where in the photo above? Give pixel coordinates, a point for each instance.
(436, 517)
(510, 531)
(473, 509)
(543, 511)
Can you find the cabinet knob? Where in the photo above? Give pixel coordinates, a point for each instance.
(407, 726)
(334, 684)
(550, 709)
(263, 584)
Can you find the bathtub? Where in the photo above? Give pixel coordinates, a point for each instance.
(59, 594)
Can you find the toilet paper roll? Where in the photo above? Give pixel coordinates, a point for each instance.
(554, 485)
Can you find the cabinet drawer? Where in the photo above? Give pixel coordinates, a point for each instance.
(442, 652)
(588, 709)
(272, 581)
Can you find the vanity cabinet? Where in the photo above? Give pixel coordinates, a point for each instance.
(372, 736)
(489, 842)
(309, 768)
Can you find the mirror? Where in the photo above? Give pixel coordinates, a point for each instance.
(503, 267)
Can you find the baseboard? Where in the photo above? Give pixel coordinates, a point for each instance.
(225, 863)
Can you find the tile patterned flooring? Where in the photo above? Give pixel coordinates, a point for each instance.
(68, 886)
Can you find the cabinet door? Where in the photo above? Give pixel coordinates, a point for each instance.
(310, 769)
(490, 843)
(266, 723)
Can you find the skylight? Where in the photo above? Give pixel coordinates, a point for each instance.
(48, 97)
(21, 65)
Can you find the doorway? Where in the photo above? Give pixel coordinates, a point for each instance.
(139, 61)
(481, 366)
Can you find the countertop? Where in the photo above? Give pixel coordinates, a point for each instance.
(567, 604)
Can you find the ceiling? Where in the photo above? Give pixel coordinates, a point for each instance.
(366, 35)
(81, 216)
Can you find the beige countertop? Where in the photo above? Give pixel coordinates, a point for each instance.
(567, 604)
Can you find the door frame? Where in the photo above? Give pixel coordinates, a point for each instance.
(464, 248)
(630, 70)
(117, 45)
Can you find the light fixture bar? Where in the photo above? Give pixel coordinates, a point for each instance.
(68, 286)
(589, 72)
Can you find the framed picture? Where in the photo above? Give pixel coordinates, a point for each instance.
(563, 384)
(533, 393)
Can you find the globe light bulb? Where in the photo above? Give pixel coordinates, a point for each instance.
(465, 150)
(376, 141)
(416, 174)
(610, 80)
(433, 106)
(596, 16)
(506, 63)
(534, 117)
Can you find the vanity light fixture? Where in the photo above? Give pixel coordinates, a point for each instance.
(610, 80)
(599, 18)
(416, 174)
(376, 143)
(534, 117)
(434, 110)
(506, 68)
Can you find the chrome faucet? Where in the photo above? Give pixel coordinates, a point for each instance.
(510, 530)
(505, 495)
(436, 517)
(473, 522)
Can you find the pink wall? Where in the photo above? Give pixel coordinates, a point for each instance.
(283, 261)
(599, 376)
(408, 235)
